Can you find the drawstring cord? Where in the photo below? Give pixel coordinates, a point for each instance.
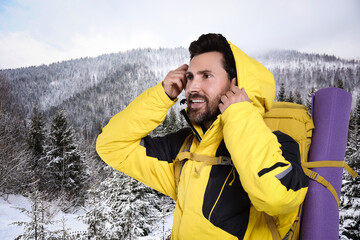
(233, 180)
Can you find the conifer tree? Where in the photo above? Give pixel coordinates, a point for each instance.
(14, 156)
(308, 102)
(65, 171)
(95, 215)
(350, 199)
(172, 122)
(64, 232)
(40, 217)
(281, 94)
(290, 98)
(131, 207)
(339, 84)
(36, 142)
(298, 98)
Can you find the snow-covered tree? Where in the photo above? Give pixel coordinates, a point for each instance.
(173, 123)
(15, 172)
(65, 171)
(64, 232)
(350, 199)
(96, 215)
(281, 94)
(339, 84)
(290, 97)
(36, 141)
(40, 217)
(298, 98)
(167, 209)
(131, 206)
(308, 102)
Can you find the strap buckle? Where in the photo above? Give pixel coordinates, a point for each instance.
(313, 175)
(225, 161)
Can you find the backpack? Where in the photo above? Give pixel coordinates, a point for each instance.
(292, 119)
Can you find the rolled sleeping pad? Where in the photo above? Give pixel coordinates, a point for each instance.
(331, 115)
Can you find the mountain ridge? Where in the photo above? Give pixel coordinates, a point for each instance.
(113, 80)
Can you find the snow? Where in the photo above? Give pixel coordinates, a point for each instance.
(158, 234)
(9, 214)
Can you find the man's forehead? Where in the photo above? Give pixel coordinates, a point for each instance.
(209, 61)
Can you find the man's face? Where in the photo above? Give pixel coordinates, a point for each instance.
(207, 81)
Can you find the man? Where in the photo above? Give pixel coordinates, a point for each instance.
(227, 93)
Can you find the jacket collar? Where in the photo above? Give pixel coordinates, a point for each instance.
(214, 129)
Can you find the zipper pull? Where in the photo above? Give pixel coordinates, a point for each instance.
(234, 176)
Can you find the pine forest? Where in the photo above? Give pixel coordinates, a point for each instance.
(51, 115)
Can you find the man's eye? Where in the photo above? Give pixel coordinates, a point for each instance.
(189, 78)
(207, 75)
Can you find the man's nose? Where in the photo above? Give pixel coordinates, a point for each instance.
(194, 85)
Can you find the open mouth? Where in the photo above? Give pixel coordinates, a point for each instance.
(197, 103)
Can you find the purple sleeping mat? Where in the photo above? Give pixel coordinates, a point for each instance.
(331, 114)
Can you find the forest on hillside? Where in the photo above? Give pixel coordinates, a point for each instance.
(50, 117)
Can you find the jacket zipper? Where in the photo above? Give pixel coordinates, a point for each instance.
(222, 189)
(183, 112)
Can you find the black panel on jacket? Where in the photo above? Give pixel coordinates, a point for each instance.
(167, 147)
(276, 165)
(296, 178)
(231, 212)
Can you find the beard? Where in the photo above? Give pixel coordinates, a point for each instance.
(206, 114)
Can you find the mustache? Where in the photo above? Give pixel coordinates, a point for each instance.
(196, 96)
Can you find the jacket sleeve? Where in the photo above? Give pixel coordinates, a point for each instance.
(125, 146)
(270, 172)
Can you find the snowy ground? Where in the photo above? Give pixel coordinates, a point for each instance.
(8, 215)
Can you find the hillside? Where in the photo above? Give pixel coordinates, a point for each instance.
(91, 90)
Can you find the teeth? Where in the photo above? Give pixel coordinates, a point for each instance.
(197, 101)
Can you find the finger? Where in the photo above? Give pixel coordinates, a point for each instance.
(221, 107)
(243, 91)
(235, 89)
(183, 81)
(180, 81)
(183, 67)
(229, 94)
(173, 78)
(177, 74)
(224, 99)
(234, 82)
(179, 85)
(246, 97)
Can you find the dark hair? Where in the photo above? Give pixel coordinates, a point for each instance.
(213, 42)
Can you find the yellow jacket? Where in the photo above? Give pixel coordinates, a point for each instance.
(221, 201)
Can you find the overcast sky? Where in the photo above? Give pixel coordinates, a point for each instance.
(34, 32)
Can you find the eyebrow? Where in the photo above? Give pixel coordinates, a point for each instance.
(199, 72)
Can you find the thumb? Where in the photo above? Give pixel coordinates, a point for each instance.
(234, 82)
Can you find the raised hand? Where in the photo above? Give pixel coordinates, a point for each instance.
(175, 81)
(234, 95)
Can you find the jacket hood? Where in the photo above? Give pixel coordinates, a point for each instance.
(257, 81)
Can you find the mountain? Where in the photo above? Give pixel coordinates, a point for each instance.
(91, 90)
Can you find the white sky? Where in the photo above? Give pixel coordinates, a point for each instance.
(34, 32)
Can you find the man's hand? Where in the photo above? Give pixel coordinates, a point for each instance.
(234, 95)
(175, 81)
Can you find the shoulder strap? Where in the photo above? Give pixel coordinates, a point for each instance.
(185, 147)
(272, 226)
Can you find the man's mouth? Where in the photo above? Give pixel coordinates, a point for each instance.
(197, 103)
